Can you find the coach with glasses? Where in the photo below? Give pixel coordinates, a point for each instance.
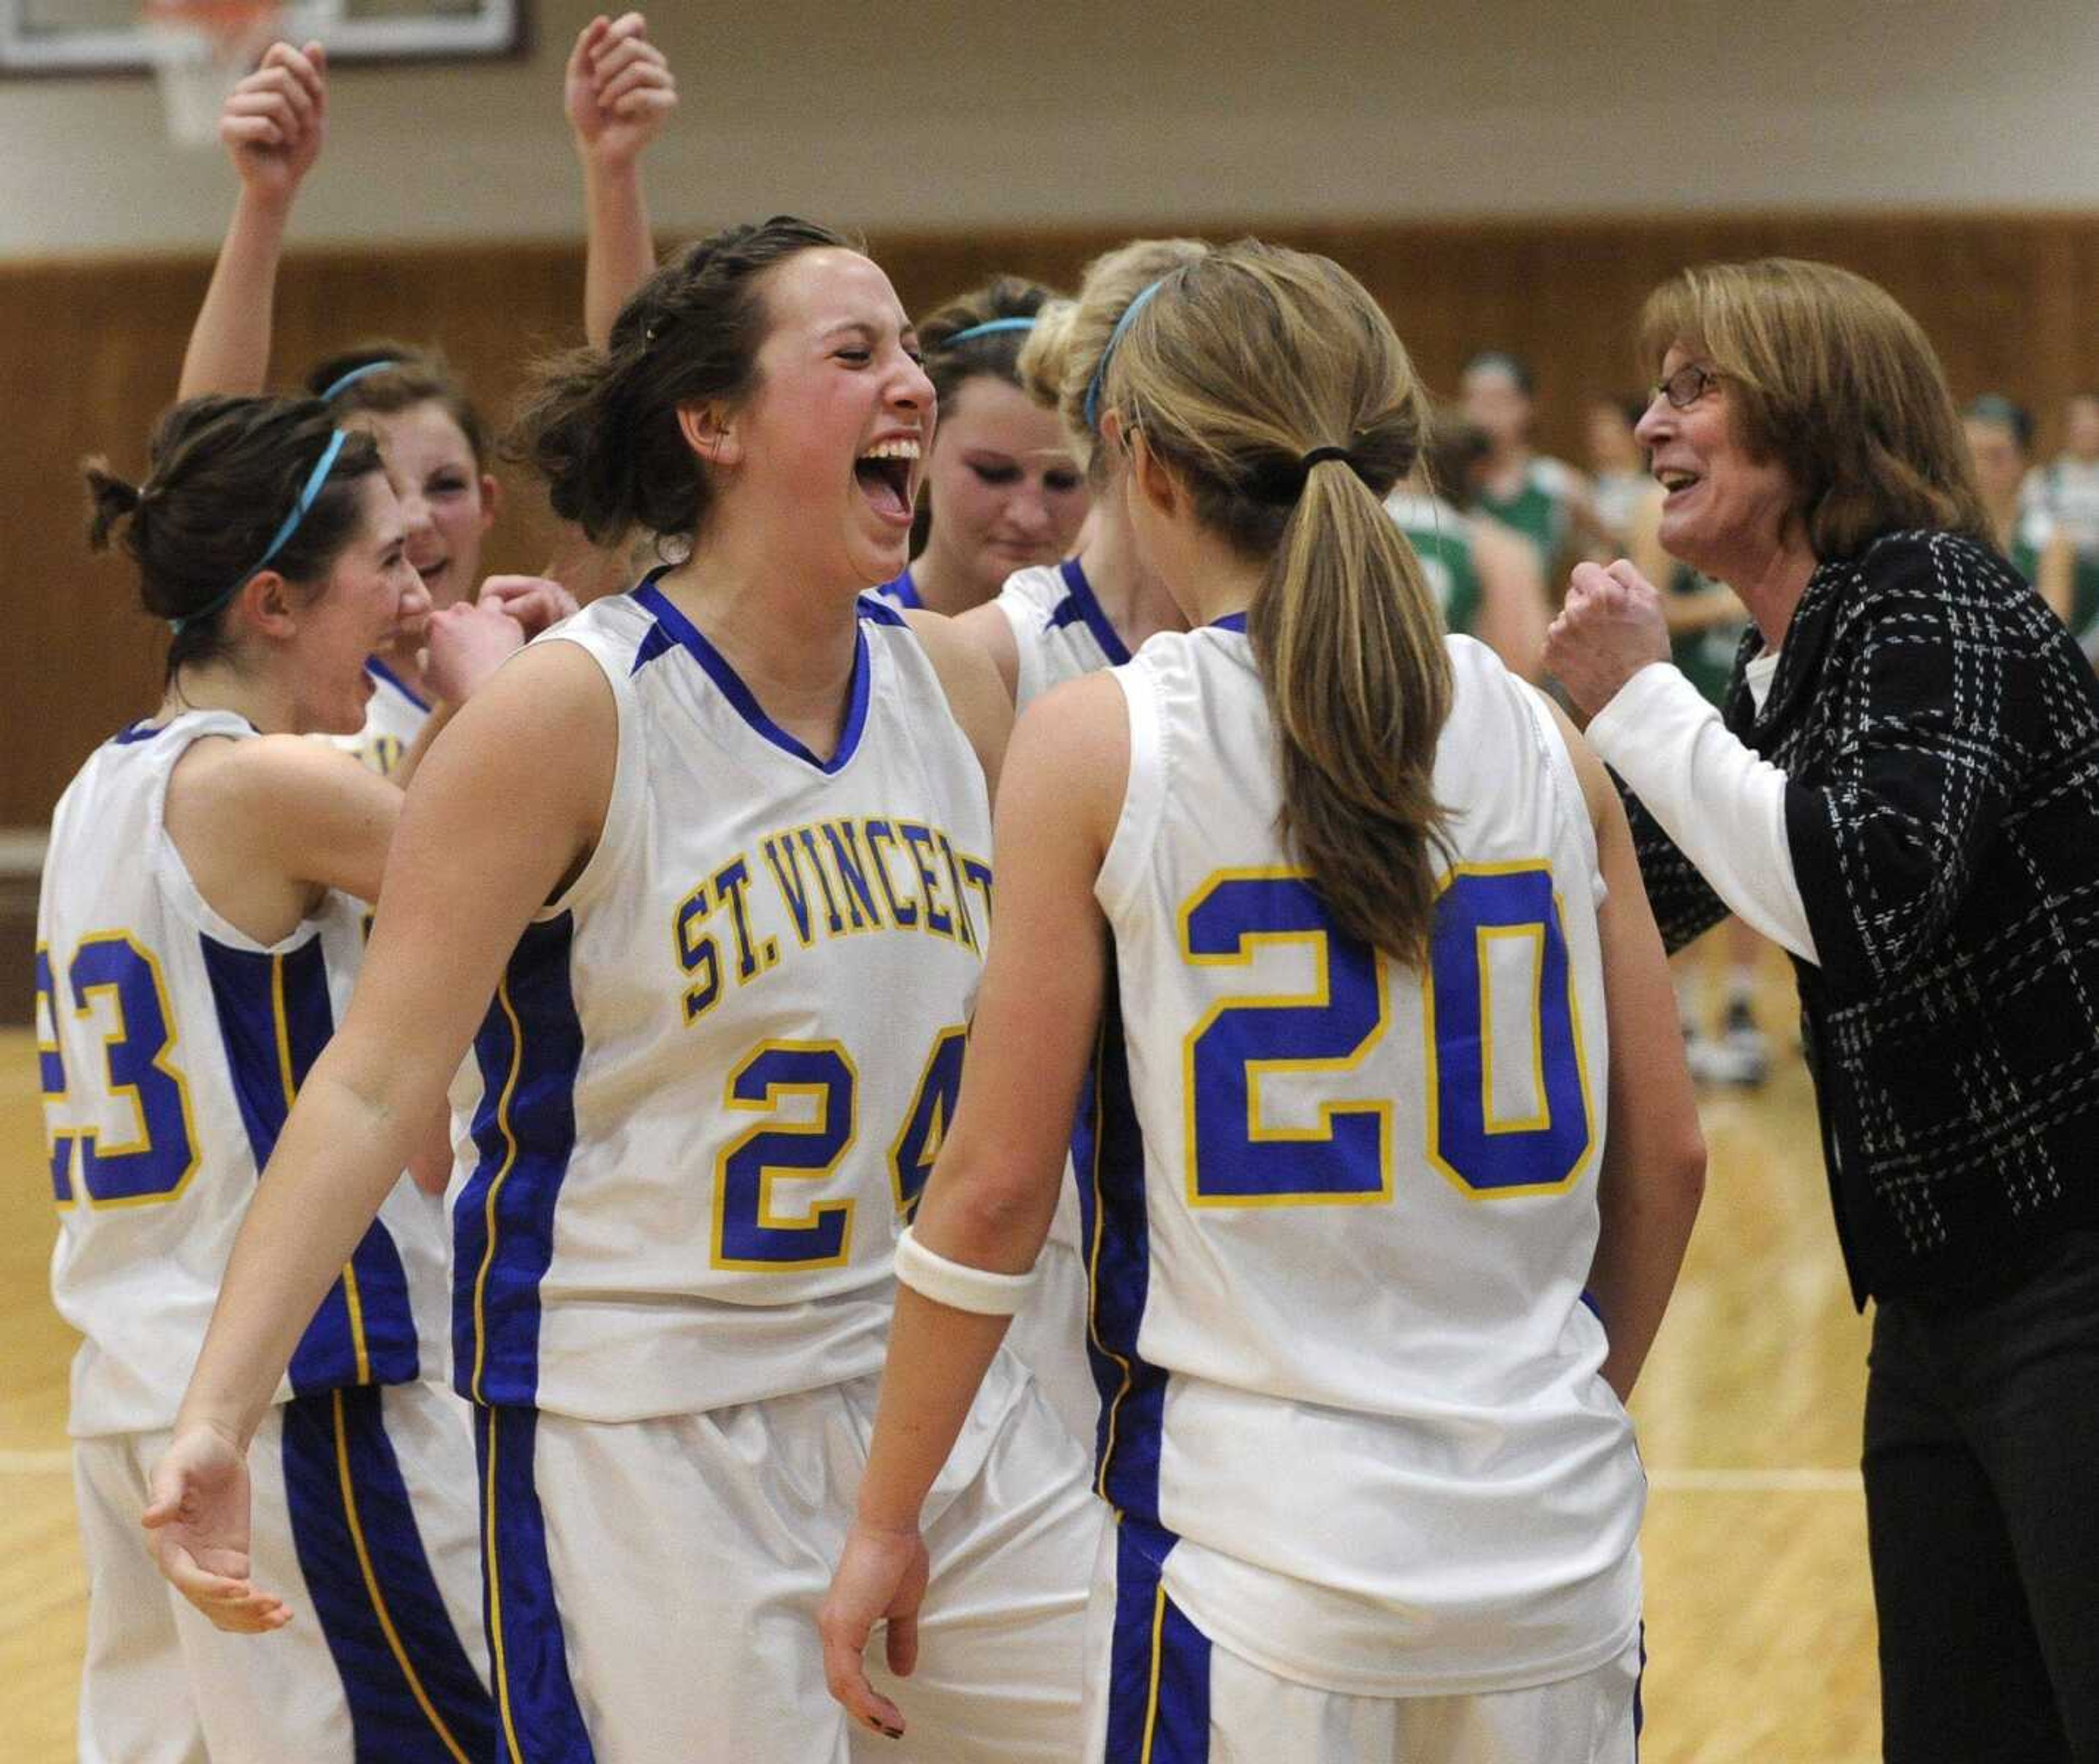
(1903, 790)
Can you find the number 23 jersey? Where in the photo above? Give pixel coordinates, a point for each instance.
(171, 1045)
(1341, 1211)
(720, 1066)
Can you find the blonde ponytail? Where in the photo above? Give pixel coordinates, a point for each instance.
(1251, 360)
(1350, 649)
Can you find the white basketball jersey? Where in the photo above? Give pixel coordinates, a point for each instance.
(1060, 632)
(393, 720)
(1340, 1212)
(171, 1046)
(720, 1065)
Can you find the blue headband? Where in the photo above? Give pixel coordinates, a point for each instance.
(986, 329)
(289, 525)
(342, 383)
(1100, 373)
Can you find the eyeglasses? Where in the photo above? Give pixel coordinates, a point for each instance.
(1687, 385)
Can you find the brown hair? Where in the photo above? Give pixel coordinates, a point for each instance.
(1248, 358)
(1832, 378)
(601, 425)
(951, 366)
(1450, 450)
(399, 376)
(1063, 352)
(222, 473)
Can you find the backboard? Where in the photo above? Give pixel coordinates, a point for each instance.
(108, 36)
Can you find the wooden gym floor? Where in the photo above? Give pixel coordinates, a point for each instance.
(1759, 1621)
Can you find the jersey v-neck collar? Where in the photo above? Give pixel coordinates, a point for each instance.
(679, 630)
(1079, 592)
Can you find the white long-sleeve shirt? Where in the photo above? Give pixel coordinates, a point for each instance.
(1722, 802)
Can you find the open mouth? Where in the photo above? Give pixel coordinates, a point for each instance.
(1673, 480)
(884, 474)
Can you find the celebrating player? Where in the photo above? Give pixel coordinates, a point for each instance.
(720, 855)
(196, 941)
(1376, 965)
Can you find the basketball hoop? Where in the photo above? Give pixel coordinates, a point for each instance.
(200, 49)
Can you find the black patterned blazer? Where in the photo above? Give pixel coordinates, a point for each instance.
(1939, 733)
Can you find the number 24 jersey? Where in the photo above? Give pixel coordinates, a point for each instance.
(717, 1070)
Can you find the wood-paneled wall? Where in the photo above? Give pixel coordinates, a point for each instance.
(90, 351)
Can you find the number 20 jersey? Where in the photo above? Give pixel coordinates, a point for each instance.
(171, 1046)
(1340, 1212)
(719, 1067)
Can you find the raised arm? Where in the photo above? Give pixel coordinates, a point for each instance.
(617, 92)
(993, 1190)
(1653, 1171)
(1708, 810)
(507, 807)
(273, 126)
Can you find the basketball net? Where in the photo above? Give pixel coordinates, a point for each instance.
(201, 50)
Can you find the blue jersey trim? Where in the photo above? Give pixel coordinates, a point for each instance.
(1079, 603)
(687, 635)
(146, 730)
(528, 1048)
(1159, 1662)
(380, 670)
(413, 1694)
(1231, 622)
(876, 611)
(275, 1017)
(903, 590)
(535, 1698)
(1107, 1152)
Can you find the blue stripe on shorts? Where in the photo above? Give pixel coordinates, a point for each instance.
(1159, 1671)
(542, 1722)
(414, 1697)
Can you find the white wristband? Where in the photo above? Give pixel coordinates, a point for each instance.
(964, 1288)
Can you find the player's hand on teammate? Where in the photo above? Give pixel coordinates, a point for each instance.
(274, 120)
(196, 1519)
(618, 91)
(468, 642)
(535, 602)
(1610, 628)
(881, 1574)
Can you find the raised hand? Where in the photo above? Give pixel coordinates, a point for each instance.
(468, 641)
(617, 91)
(1611, 626)
(881, 1574)
(276, 119)
(197, 1517)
